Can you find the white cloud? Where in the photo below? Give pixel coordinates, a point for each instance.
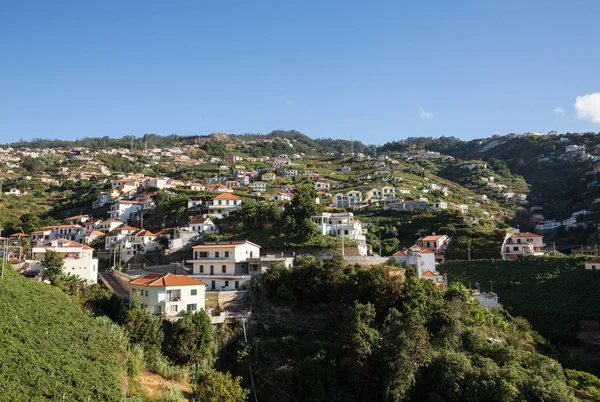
(588, 107)
(559, 111)
(425, 115)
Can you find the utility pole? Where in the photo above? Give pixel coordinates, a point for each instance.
(469, 251)
(249, 364)
(491, 289)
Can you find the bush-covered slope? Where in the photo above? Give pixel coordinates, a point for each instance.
(325, 332)
(50, 350)
(552, 293)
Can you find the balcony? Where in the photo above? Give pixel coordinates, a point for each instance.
(173, 296)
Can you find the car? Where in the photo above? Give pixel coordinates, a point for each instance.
(32, 273)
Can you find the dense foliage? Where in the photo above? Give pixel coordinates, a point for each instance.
(50, 349)
(553, 293)
(326, 332)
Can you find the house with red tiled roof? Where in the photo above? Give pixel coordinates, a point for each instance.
(423, 261)
(435, 242)
(169, 295)
(78, 258)
(523, 244)
(224, 204)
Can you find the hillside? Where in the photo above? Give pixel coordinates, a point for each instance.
(50, 349)
(554, 294)
(324, 332)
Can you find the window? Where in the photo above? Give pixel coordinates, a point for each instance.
(203, 254)
(515, 248)
(226, 284)
(194, 292)
(192, 307)
(237, 284)
(174, 308)
(146, 293)
(201, 269)
(226, 254)
(223, 269)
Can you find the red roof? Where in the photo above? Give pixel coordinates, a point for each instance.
(67, 243)
(429, 274)
(198, 220)
(126, 228)
(526, 234)
(166, 280)
(143, 233)
(432, 238)
(227, 196)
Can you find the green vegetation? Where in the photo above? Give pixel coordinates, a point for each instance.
(553, 293)
(53, 264)
(51, 350)
(326, 332)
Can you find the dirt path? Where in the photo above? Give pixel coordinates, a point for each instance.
(155, 386)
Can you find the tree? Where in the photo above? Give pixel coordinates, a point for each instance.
(193, 339)
(298, 215)
(33, 165)
(143, 328)
(30, 222)
(53, 265)
(214, 386)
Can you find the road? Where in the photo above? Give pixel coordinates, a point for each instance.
(113, 285)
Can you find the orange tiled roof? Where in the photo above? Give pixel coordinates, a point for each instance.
(431, 238)
(527, 234)
(166, 280)
(226, 196)
(429, 274)
(67, 243)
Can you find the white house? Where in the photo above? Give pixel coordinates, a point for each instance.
(201, 225)
(168, 294)
(69, 232)
(342, 225)
(321, 186)
(123, 210)
(345, 169)
(424, 262)
(280, 197)
(268, 176)
(161, 183)
(197, 187)
(78, 258)
(439, 205)
(101, 200)
(436, 243)
(138, 242)
(593, 265)
(523, 243)
(13, 191)
(258, 186)
(224, 266)
(224, 204)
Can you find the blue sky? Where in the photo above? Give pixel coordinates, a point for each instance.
(379, 71)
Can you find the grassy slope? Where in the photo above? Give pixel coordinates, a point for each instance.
(50, 349)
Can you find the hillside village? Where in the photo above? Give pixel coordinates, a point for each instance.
(192, 225)
(124, 227)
